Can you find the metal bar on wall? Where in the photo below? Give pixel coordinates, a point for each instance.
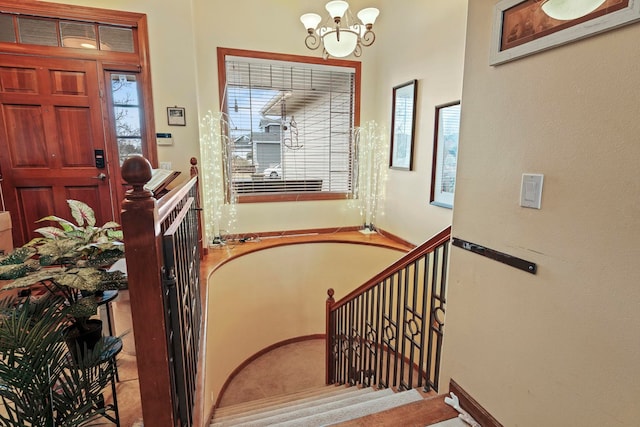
(502, 257)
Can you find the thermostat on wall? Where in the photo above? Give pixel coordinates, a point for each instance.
(164, 139)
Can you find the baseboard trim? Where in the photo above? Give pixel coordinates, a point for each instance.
(472, 406)
(395, 238)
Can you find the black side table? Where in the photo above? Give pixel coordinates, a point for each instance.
(106, 298)
(107, 360)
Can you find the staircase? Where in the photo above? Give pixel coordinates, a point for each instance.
(333, 405)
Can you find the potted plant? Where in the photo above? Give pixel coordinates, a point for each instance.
(70, 260)
(38, 385)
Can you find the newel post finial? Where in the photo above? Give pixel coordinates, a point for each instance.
(136, 171)
(194, 167)
(330, 293)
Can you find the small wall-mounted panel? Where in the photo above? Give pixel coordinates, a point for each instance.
(164, 139)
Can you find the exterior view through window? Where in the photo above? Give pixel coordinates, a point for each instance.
(290, 128)
(127, 111)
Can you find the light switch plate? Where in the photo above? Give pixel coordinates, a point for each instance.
(531, 190)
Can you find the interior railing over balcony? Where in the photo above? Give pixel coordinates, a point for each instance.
(388, 332)
(163, 249)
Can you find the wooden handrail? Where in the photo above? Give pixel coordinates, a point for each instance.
(169, 201)
(406, 260)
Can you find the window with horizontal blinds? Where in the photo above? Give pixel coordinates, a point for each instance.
(290, 128)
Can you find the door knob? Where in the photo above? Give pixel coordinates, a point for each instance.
(100, 176)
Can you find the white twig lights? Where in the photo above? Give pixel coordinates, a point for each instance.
(213, 152)
(371, 153)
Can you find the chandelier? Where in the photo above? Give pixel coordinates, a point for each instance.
(565, 10)
(341, 34)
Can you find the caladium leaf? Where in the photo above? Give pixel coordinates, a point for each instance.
(82, 213)
(84, 307)
(18, 256)
(111, 224)
(51, 232)
(36, 277)
(84, 279)
(15, 271)
(66, 225)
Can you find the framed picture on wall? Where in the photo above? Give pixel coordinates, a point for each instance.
(445, 154)
(176, 116)
(403, 124)
(524, 27)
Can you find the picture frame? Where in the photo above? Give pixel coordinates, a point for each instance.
(403, 125)
(521, 28)
(445, 154)
(176, 116)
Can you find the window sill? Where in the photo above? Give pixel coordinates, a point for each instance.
(291, 197)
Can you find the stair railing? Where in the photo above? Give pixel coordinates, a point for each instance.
(388, 332)
(163, 249)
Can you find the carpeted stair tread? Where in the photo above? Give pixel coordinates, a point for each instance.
(269, 416)
(329, 393)
(355, 411)
(282, 399)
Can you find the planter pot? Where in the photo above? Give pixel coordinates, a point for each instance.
(79, 342)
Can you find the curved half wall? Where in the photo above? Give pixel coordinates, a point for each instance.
(276, 294)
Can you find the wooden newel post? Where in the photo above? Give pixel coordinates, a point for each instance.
(143, 255)
(194, 172)
(330, 337)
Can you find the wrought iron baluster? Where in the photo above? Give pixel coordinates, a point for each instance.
(398, 323)
(424, 329)
(378, 339)
(404, 325)
(379, 335)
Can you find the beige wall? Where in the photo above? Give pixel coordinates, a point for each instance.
(173, 71)
(416, 39)
(254, 302)
(559, 348)
(421, 40)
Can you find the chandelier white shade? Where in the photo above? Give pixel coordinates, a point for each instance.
(565, 10)
(341, 35)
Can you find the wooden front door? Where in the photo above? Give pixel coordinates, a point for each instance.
(51, 140)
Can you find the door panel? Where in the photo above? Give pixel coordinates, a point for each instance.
(18, 80)
(24, 123)
(34, 203)
(50, 127)
(76, 137)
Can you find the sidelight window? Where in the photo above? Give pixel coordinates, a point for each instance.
(127, 112)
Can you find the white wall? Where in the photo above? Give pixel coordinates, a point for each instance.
(559, 348)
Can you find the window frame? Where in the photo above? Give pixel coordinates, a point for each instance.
(223, 52)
